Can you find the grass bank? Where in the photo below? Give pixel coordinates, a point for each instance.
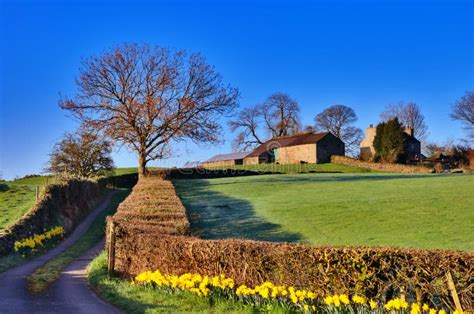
(138, 299)
(45, 275)
(422, 211)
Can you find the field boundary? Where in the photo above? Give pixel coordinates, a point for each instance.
(380, 166)
(150, 231)
(61, 204)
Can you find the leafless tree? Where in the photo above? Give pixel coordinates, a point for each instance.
(463, 111)
(247, 123)
(82, 154)
(280, 114)
(146, 97)
(409, 114)
(339, 120)
(277, 116)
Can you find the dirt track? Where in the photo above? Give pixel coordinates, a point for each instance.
(69, 294)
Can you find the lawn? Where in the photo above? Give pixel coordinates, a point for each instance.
(299, 168)
(421, 211)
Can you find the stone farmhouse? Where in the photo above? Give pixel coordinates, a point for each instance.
(367, 150)
(301, 148)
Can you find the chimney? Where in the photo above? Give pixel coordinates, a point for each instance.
(409, 131)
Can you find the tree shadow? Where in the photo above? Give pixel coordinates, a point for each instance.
(334, 177)
(213, 215)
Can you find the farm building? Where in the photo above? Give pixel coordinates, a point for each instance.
(367, 150)
(226, 160)
(301, 148)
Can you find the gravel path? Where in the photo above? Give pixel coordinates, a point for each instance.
(69, 294)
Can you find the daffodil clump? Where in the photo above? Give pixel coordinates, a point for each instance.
(269, 293)
(37, 241)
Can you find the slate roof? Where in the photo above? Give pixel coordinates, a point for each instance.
(225, 157)
(285, 141)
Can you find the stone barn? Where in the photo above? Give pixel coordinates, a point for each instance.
(225, 160)
(301, 148)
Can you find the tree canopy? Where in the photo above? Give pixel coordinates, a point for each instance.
(389, 142)
(277, 116)
(146, 97)
(82, 155)
(339, 120)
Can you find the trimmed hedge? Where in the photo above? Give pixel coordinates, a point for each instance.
(152, 234)
(64, 204)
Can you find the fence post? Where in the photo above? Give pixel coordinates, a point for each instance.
(111, 249)
(452, 289)
(37, 192)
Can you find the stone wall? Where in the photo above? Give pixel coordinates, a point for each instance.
(380, 166)
(251, 161)
(297, 154)
(223, 163)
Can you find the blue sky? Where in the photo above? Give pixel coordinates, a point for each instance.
(363, 54)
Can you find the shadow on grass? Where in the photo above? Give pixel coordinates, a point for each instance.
(334, 177)
(214, 215)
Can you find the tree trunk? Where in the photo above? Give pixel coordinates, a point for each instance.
(142, 166)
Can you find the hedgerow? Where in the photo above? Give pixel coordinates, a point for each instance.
(151, 232)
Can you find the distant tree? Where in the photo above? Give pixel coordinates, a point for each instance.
(339, 120)
(82, 154)
(247, 123)
(463, 111)
(410, 116)
(280, 113)
(389, 142)
(277, 116)
(146, 97)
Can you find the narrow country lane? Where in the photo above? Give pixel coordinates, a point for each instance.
(69, 294)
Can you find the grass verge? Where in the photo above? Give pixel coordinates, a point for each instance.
(45, 275)
(138, 299)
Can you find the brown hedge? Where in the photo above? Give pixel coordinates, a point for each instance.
(146, 241)
(63, 204)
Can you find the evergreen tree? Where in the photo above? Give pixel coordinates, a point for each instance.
(389, 142)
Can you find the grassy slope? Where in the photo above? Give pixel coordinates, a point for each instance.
(45, 275)
(15, 200)
(17, 197)
(423, 211)
(137, 299)
(299, 168)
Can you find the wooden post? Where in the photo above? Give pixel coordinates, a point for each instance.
(452, 289)
(111, 249)
(37, 192)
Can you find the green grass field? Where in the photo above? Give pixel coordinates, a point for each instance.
(421, 211)
(17, 197)
(299, 168)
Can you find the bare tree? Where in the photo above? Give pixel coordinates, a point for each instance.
(247, 123)
(280, 114)
(82, 154)
(277, 116)
(463, 111)
(339, 120)
(146, 97)
(409, 114)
